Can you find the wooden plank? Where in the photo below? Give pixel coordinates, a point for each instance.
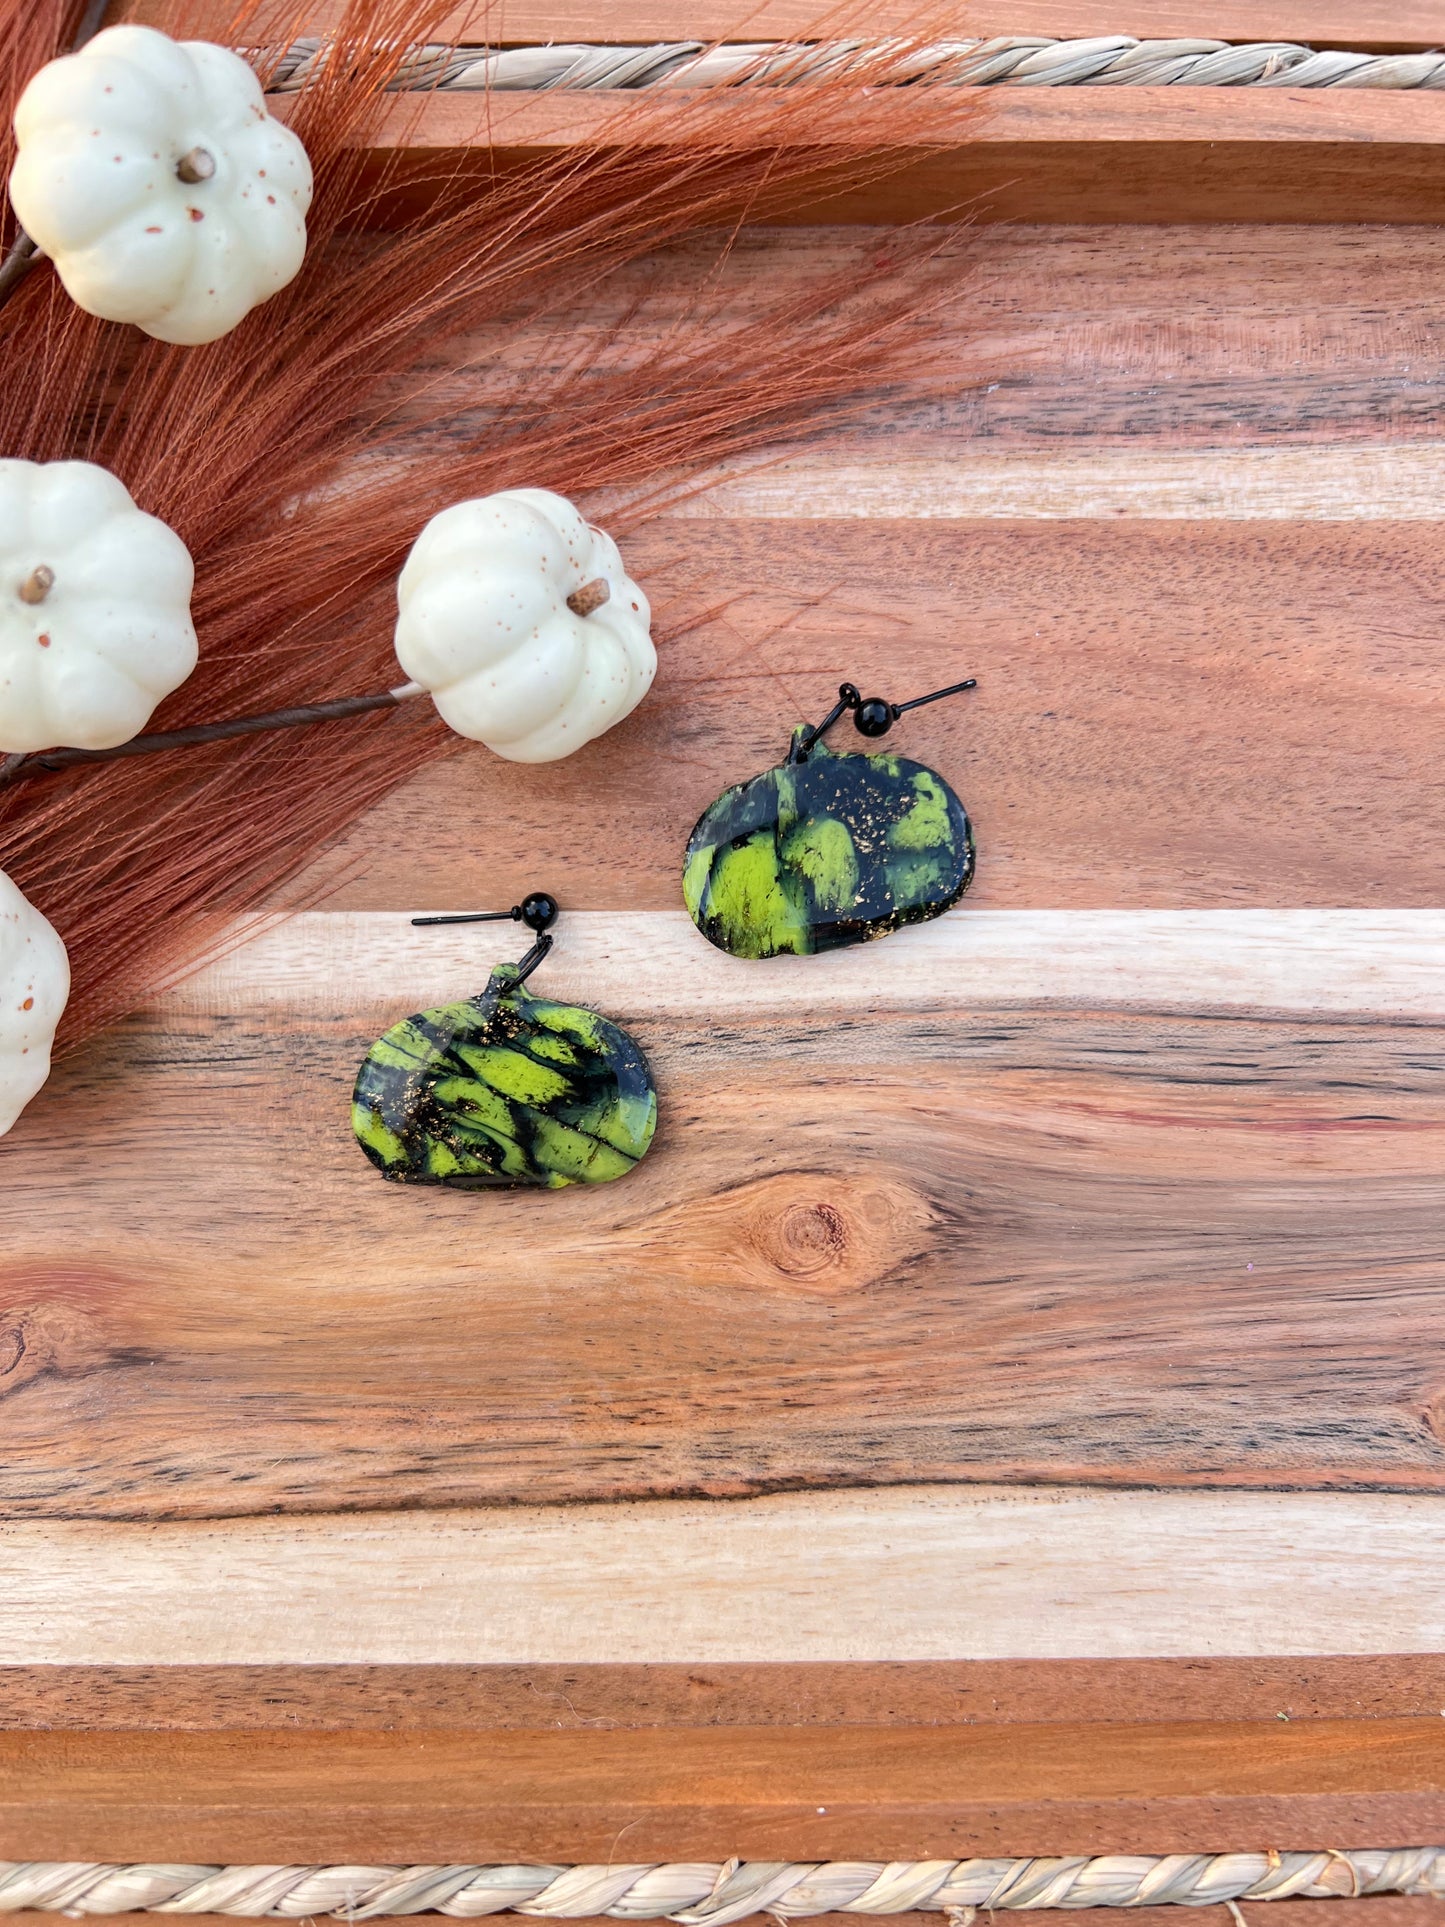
(1160, 155)
(1107, 117)
(1080, 345)
(1230, 1221)
(1210, 585)
(899, 1793)
(1146, 154)
(425, 1730)
(906, 1574)
(1089, 357)
(1290, 963)
(331, 1698)
(1385, 25)
(1245, 1206)
(1392, 482)
(1285, 678)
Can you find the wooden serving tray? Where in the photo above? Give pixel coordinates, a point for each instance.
(1006, 1412)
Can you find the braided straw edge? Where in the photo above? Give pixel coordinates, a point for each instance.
(709, 1895)
(1108, 60)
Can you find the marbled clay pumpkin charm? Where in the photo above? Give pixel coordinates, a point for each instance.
(505, 1089)
(828, 850)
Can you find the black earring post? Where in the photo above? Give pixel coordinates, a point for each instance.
(953, 689)
(538, 910)
(872, 715)
(470, 916)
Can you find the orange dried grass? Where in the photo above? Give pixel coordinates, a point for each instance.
(277, 453)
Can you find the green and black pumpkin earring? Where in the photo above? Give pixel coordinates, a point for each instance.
(827, 850)
(505, 1088)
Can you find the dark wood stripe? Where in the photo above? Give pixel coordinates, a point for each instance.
(1074, 340)
(1105, 154)
(586, 1698)
(765, 1793)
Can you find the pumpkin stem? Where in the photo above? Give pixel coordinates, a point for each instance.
(37, 585)
(198, 165)
(590, 596)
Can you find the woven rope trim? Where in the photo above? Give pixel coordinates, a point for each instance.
(1115, 60)
(711, 1896)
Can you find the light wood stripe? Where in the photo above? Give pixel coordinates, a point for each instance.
(1400, 483)
(1296, 962)
(911, 1573)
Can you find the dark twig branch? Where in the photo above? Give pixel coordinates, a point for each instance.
(15, 769)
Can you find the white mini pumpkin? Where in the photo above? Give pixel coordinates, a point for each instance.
(95, 609)
(520, 620)
(34, 984)
(151, 173)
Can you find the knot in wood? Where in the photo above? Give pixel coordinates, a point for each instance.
(50, 1336)
(810, 1238)
(814, 1232)
(12, 1348)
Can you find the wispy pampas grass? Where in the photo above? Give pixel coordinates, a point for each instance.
(278, 453)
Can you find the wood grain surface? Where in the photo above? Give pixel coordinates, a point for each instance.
(334, 1763)
(944, 1235)
(571, 1698)
(1104, 154)
(1300, 964)
(1286, 677)
(885, 1793)
(1402, 482)
(1128, 1173)
(904, 1574)
(1384, 25)
(1160, 154)
(1283, 666)
(1026, 1195)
